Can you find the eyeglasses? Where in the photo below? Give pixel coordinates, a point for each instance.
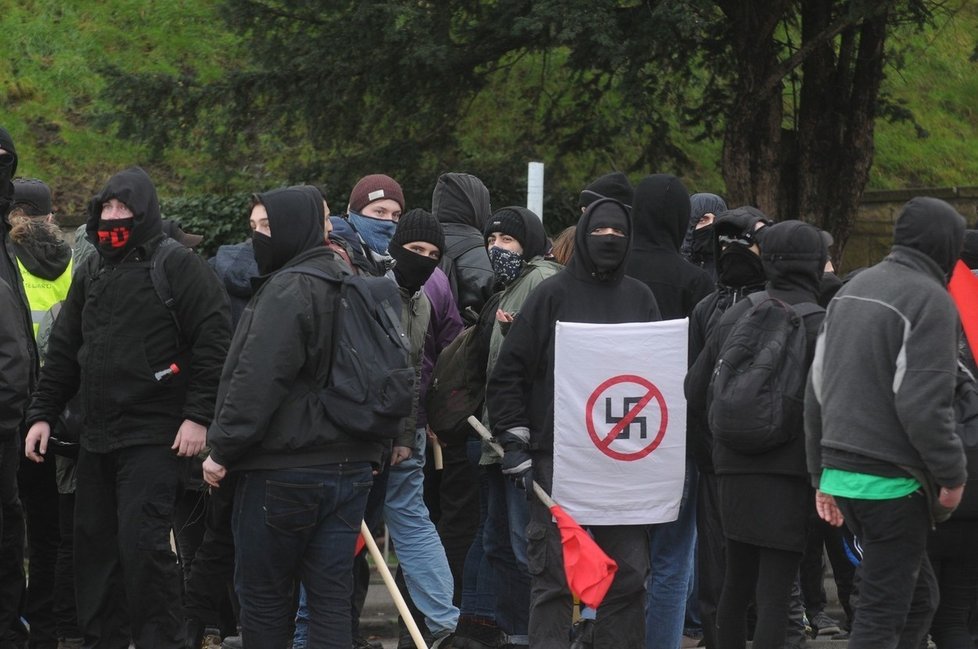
(6, 159)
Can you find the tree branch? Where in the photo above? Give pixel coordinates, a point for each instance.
(830, 32)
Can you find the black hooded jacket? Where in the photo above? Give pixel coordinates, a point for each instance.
(520, 391)
(705, 316)
(21, 315)
(660, 215)
(460, 202)
(114, 335)
(269, 414)
(794, 257)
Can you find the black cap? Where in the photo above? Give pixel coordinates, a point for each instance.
(32, 196)
(506, 221)
(419, 225)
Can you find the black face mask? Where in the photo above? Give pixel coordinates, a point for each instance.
(738, 267)
(703, 242)
(113, 238)
(607, 252)
(264, 253)
(411, 270)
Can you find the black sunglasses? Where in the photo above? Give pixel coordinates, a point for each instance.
(6, 159)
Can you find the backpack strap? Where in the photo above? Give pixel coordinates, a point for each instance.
(161, 282)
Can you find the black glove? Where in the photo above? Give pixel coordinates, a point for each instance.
(517, 463)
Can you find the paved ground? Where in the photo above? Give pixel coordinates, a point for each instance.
(379, 620)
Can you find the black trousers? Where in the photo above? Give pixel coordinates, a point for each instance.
(621, 617)
(127, 576)
(210, 575)
(11, 537)
(897, 590)
(767, 575)
(64, 609)
(37, 484)
(953, 552)
(710, 552)
(812, 571)
(459, 504)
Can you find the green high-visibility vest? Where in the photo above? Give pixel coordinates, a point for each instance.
(42, 294)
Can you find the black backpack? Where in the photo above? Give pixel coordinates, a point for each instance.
(756, 392)
(371, 386)
(458, 381)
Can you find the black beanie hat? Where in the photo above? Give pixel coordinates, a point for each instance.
(614, 185)
(506, 221)
(33, 196)
(419, 225)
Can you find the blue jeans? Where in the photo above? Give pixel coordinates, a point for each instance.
(671, 547)
(478, 598)
(418, 546)
(291, 525)
(505, 545)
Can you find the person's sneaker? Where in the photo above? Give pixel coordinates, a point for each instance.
(443, 642)
(233, 642)
(211, 639)
(71, 643)
(360, 642)
(824, 624)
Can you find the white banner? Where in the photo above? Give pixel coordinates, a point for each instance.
(620, 421)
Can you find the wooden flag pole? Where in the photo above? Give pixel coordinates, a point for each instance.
(487, 436)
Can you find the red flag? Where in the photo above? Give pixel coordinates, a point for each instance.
(589, 570)
(361, 544)
(964, 291)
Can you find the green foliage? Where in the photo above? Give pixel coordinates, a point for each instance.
(283, 92)
(222, 219)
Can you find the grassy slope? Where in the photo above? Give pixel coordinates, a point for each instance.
(49, 87)
(49, 82)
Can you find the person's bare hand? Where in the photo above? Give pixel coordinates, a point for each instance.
(190, 439)
(828, 510)
(951, 497)
(213, 472)
(36, 444)
(503, 316)
(399, 454)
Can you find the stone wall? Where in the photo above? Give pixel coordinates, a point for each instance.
(873, 232)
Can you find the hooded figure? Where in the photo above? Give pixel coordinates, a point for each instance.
(147, 373)
(697, 245)
(235, 266)
(295, 218)
(611, 185)
(118, 239)
(764, 499)
(661, 216)
(526, 228)
(520, 400)
(879, 412)
(460, 202)
(271, 424)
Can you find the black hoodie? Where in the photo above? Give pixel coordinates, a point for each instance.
(114, 335)
(460, 202)
(520, 391)
(9, 272)
(661, 217)
(269, 414)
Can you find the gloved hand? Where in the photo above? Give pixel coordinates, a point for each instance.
(517, 464)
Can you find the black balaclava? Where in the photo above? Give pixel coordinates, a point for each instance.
(735, 231)
(697, 245)
(116, 239)
(932, 227)
(7, 172)
(660, 212)
(603, 257)
(412, 270)
(295, 218)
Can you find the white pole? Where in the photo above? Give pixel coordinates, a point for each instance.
(534, 188)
